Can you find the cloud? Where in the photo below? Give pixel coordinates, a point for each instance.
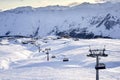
(107, 0)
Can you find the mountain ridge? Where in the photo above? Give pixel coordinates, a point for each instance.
(101, 19)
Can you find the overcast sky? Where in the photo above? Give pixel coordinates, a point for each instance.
(8, 4)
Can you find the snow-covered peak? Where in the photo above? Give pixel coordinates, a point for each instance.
(21, 10)
(85, 5)
(56, 7)
(42, 21)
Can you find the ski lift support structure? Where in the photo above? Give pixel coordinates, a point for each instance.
(96, 53)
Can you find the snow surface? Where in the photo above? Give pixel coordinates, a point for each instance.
(23, 61)
(25, 20)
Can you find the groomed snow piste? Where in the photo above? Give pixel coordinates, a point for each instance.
(24, 62)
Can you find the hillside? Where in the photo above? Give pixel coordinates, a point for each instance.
(83, 21)
(21, 61)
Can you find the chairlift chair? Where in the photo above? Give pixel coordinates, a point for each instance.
(105, 55)
(91, 55)
(53, 56)
(65, 59)
(100, 66)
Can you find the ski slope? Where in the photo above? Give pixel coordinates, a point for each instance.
(23, 61)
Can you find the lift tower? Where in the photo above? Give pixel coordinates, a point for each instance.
(47, 52)
(96, 53)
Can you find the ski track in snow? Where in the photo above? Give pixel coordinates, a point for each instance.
(24, 62)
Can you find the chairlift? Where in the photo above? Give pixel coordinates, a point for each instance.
(105, 55)
(100, 66)
(53, 56)
(47, 52)
(91, 55)
(65, 59)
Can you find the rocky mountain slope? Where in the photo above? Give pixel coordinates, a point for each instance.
(83, 21)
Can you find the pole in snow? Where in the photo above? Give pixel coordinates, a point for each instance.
(47, 53)
(96, 53)
(38, 46)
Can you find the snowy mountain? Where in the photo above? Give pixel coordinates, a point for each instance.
(83, 21)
